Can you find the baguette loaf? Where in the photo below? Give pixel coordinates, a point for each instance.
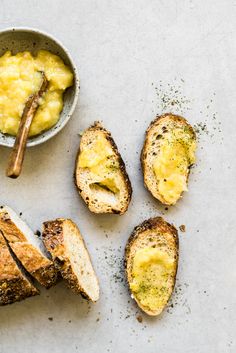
(27, 247)
(14, 285)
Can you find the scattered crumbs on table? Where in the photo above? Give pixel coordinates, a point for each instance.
(50, 318)
(179, 298)
(38, 233)
(182, 228)
(139, 318)
(170, 97)
(200, 128)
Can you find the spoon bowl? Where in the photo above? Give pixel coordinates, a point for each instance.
(22, 39)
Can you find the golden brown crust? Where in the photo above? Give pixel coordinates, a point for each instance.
(40, 267)
(156, 122)
(14, 290)
(98, 127)
(10, 229)
(14, 286)
(54, 242)
(162, 227)
(149, 224)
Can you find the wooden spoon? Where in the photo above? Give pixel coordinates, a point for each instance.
(17, 155)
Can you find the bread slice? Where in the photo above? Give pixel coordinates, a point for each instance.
(14, 285)
(100, 173)
(27, 247)
(154, 243)
(64, 241)
(167, 155)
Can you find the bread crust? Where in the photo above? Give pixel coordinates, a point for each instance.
(96, 126)
(163, 227)
(14, 285)
(54, 242)
(143, 157)
(38, 265)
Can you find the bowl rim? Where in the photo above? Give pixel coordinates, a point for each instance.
(52, 130)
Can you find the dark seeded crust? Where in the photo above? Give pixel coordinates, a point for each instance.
(14, 285)
(98, 127)
(15, 290)
(53, 239)
(46, 276)
(163, 227)
(156, 121)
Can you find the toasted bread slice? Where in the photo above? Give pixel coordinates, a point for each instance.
(100, 173)
(151, 262)
(14, 285)
(64, 241)
(27, 247)
(167, 155)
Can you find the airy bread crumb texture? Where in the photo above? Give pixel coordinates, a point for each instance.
(64, 241)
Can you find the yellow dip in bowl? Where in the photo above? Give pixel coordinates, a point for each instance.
(20, 77)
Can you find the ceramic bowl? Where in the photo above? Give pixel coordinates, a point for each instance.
(21, 39)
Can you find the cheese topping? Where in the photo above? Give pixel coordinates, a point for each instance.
(151, 273)
(177, 153)
(98, 158)
(20, 77)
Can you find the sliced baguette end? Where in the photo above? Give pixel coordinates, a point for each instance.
(27, 247)
(62, 239)
(14, 285)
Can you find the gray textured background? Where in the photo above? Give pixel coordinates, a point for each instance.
(124, 49)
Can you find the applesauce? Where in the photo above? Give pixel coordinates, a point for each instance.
(20, 77)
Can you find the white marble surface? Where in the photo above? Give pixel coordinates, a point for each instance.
(121, 48)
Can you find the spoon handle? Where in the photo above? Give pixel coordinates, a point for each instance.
(17, 155)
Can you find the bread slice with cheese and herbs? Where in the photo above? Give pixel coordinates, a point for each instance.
(64, 241)
(167, 156)
(14, 285)
(27, 247)
(100, 172)
(151, 262)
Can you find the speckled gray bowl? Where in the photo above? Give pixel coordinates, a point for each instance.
(20, 39)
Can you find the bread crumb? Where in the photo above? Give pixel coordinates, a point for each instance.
(182, 228)
(139, 318)
(38, 233)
